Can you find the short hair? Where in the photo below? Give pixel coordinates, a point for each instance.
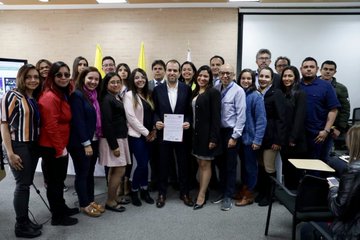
(353, 142)
(329, 62)
(296, 86)
(158, 62)
(307, 59)
(21, 77)
(210, 85)
(282, 58)
(173, 61)
(219, 57)
(75, 72)
(80, 81)
(108, 58)
(263, 51)
(181, 78)
(127, 68)
(50, 80)
(253, 78)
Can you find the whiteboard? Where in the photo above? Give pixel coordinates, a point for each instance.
(325, 37)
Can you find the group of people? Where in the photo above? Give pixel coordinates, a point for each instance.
(119, 119)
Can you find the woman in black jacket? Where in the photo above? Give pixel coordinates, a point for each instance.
(206, 105)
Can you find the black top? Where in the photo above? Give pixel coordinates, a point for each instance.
(113, 120)
(148, 115)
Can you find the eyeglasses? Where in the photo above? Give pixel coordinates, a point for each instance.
(60, 75)
(108, 65)
(225, 73)
(115, 82)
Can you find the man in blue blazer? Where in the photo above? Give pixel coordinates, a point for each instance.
(173, 97)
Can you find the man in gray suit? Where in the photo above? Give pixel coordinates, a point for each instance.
(158, 69)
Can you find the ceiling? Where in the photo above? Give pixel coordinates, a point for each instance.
(79, 3)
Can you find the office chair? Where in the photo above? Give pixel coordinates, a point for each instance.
(308, 204)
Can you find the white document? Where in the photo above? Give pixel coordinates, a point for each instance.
(173, 130)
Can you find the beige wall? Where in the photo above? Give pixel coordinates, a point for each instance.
(66, 34)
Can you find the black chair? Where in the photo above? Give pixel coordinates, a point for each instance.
(355, 116)
(309, 203)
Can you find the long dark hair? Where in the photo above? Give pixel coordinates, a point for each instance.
(75, 72)
(104, 83)
(80, 82)
(145, 91)
(127, 68)
(210, 85)
(295, 88)
(21, 77)
(253, 79)
(182, 79)
(50, 80)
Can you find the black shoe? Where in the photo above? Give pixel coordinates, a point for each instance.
(135, 198)
(24, 230)
(160, 202)
(264, 202)
(199, 206)
(64, 221)
(144, 195)
(33, 225)
(71, 211)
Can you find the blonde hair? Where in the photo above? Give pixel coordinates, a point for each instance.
(353, 142)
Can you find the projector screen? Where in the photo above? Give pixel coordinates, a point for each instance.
(322, 36)
(8, 71)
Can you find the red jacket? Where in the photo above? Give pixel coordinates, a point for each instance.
(55, 118)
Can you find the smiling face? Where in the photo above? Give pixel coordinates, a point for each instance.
(92, 80)
(288, 78)
(226, 74)
(203, 79)
(108, 65)
(265, 78)
(44, 69)
(245, 80)
(215, 65)
(62, 77)
(114, 85)
(32, 80)
(139, 81)
(172, 72)
(187, 72)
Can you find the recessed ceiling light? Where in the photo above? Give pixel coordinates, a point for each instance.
(1, 3)
(244, 0)
(43, 0)
(111, 1)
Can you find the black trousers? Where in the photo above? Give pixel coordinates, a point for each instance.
(166, 152)
(57, 170)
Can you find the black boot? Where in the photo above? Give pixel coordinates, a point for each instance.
(144, 195)
(265, 201)
(33, 225)
(260, 185)
(24, 230)
(135, 198)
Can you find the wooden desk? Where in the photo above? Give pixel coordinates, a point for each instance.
(311, 164)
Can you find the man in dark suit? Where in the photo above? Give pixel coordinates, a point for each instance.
(158, 69)
(172, 97)
(263, 59)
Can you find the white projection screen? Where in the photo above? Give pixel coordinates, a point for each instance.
(323, 36)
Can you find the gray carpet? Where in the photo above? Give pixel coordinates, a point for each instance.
(174, 221)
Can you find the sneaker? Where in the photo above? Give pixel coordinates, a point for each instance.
(24, 230)
(226, 204)
(64, 221)
(219, 199)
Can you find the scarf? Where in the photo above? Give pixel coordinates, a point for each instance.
(92, 95)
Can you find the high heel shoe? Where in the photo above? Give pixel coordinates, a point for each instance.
(199, 206)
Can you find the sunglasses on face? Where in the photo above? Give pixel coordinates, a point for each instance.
(60, 75)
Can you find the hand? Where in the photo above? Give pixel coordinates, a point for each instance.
(159, 125)
(186, 125)
(64, 153)
(88, 151)
(336, 133)
(212, 145)
(255, 146)
(151, 136)
(232, 143)
(15, 162)
(116, 152)
(321, 137)
(275, 147)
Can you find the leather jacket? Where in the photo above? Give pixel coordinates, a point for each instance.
(344, 202)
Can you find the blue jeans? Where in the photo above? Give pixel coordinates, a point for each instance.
(140, 148)
(28, 152)
(84, 169)
(319, 150)
(249, 166)
(227, 163)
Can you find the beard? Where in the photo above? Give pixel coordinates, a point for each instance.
(308, 78)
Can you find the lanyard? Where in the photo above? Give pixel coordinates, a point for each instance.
(224, 92)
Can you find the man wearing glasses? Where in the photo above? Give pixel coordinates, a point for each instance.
(263, 59)
(108, 64)
(233, 107)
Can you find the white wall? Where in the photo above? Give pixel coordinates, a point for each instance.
(324, 37)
